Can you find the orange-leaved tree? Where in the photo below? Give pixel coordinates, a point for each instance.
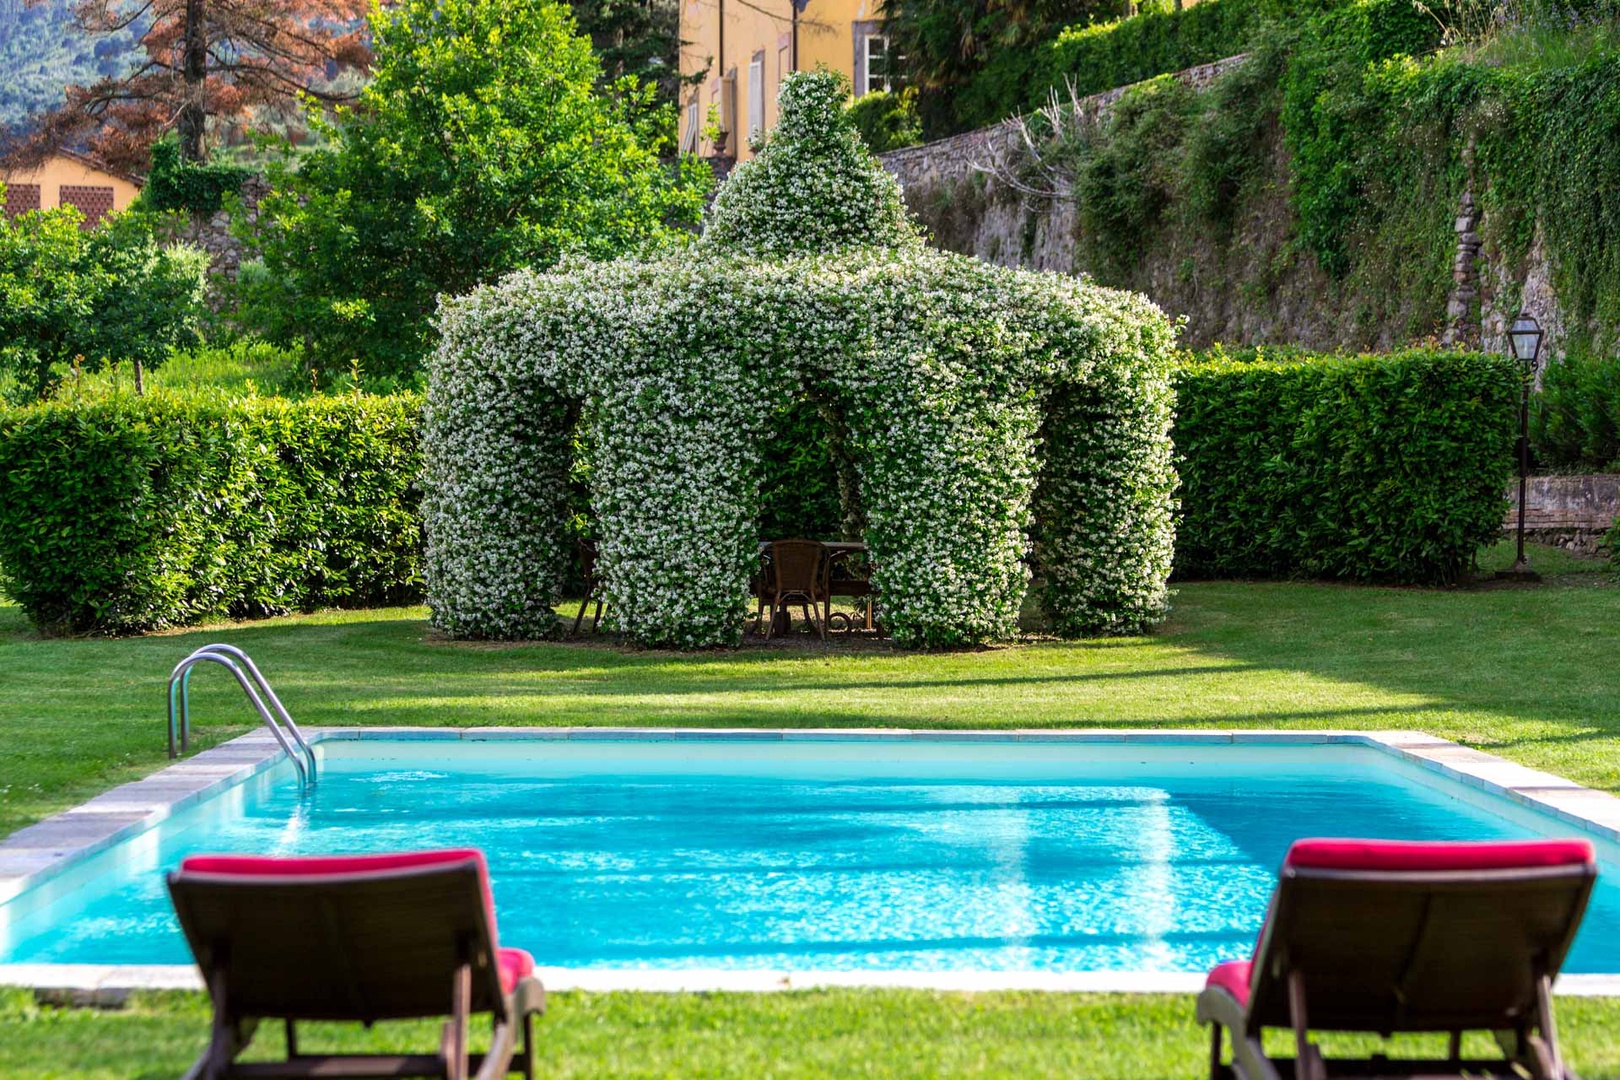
(204, 68)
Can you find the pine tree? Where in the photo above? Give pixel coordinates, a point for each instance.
(205, 68)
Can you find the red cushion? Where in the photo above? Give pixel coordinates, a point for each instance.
(308, 865)
(1396, 855)
(515, 965)
(339, 865)
(1233, 977)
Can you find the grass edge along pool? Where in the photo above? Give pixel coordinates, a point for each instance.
(828, 852)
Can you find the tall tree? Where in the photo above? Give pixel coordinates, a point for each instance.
(481, 145)
(635, 37)
(203, 66)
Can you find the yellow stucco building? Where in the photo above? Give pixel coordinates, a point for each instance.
(745, 48)
(65, 178)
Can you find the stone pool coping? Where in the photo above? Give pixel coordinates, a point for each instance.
(41, 851)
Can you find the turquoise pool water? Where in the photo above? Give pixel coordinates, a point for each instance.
(803, 856)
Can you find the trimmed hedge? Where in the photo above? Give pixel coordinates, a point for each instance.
(135, 513)
(1575, 420)
(1105, 55)
(1370, 468)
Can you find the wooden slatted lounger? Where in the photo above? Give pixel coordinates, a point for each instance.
(361, 938)
(1383, 936)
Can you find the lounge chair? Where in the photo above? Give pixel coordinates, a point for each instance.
(1384, 937)
(361, 938)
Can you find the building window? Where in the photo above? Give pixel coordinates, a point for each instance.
(94, 203)
(756, 95)
(874, 63)
(21, 198)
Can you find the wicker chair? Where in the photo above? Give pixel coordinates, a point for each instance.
(797, 574)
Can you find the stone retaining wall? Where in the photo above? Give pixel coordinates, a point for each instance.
(1572, 512)
(1253, 289)
(959, 156)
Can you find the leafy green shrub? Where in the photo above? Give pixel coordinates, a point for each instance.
(1224, 151)
(479, 146)
(1102, 56)
(1130, 176)
(937, 373)
(1575, 419)
(240, 367)
(887, 119)
(1370, 468)
(173, 184)
(134, 513)
(71, 298)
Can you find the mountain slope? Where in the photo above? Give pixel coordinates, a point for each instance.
(41, 53)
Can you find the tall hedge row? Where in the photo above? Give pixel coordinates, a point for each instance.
(1373, 468)
(135, 513)
(128, 514)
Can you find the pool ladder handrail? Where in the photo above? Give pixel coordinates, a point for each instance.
(252, 682)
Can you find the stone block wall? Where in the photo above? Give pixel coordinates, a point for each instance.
(960, 156)
(1570, 511)
(214, 234)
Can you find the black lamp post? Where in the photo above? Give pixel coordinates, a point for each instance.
(1524, 339)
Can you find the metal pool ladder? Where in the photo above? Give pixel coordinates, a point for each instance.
(258, 691)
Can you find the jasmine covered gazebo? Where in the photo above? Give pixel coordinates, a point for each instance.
(996, 422)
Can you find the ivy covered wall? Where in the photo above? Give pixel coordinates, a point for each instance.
(1310, 193)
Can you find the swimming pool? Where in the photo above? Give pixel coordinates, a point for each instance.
(835, 853)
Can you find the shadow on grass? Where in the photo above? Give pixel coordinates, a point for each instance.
(1528, 672)
(1529, 668)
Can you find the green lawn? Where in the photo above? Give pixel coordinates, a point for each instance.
(812, 1035)
(1528, 672)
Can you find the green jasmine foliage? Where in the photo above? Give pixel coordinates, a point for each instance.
(1374, 468)
(814, 189)
(480, 146)
(933, 374)
(69, 297)
(173, 184)
(135, 513)
(799, 485)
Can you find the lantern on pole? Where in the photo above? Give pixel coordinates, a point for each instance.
(1524, 341)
